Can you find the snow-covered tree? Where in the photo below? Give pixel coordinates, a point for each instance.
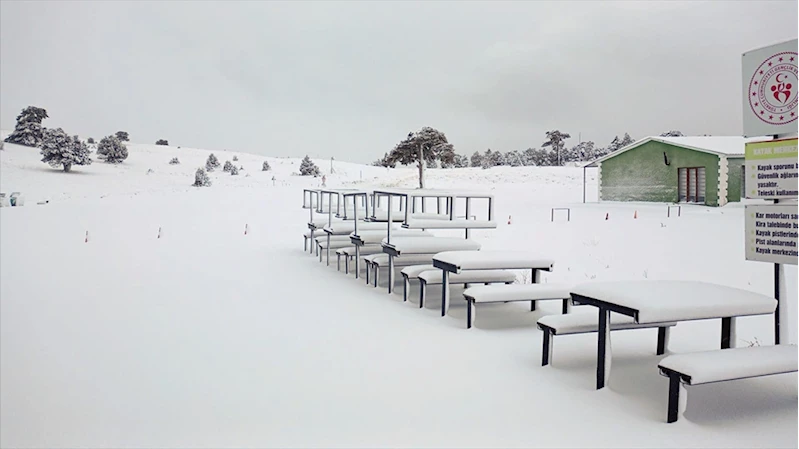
(583, 151)
(308, 168)
(201, 178)
(477, 159)
(90, 140)
(497, 159)
(425, 146)
(174, 161)
(234, 170)
(162, 142)
(488, 159)
(227, 166)
(60, 150)
(113, 149)
(626, 140)
(235, 158)
(212, 163)
(28, 130)
(672, 134)
(556, 140)
(122, 136)
(461, 161)
(513, 158)
(266, 166)
(384, 162)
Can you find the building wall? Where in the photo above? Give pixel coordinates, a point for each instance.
(641, 174)
(734, 167)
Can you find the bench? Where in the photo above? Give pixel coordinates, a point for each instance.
(436, 277)
(458, 223)
(404, 246)
(515, 293)
(349, 253)
(697, 368)
(409, 273)
(585, 323)
(376, 261)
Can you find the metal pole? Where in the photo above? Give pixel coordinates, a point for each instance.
(584, 168)
(468, 212)
(388, 229)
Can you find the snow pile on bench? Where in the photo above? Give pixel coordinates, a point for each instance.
(436, 277)
(347, 227)
(413, 271)
(413, 245)
(583, 323)
(729, 364)
(518, 292)
(381, 260)
(378, 237)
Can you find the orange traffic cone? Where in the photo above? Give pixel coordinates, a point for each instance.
(87, 237)
(635, 215)
(159, 232)
(508, 219)
(246, 228)
(607, 215)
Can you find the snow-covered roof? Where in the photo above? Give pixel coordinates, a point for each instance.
(718, 145)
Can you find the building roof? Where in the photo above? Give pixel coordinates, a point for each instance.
(729, 146)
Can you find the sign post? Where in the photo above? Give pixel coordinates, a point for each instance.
(770, 98)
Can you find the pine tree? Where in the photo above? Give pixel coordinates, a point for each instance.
(308, 168)
(626, 140)
(461, 161)
(488, 159)
(60, 150)
(227, 167)
(201, 178)
(161, 142)
(122, 136)
(266, 166)
(90, 140)
(113, 150)
(234, 170)
(556, 140)
(174, 161)
(428, 142)
(477, 159)
(212, 163)
(28, 130)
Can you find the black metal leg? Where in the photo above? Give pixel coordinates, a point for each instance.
(532, 306)
(406, 286)
(601, 348)
(674, 397)
(564, 308)
(445, 291)
(347, 265)
(338, 262)
(469, 304)
(662, 340)
(726, 332)
(422, 289)
(368, 270)
(547, 349)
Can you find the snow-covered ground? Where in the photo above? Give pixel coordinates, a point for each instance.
(207, 337)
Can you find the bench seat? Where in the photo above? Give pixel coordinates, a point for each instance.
(412, 272)
(515, 293)
(349, 252)
(697, 368)
(377, 261)
(584, 323)
(436, 277)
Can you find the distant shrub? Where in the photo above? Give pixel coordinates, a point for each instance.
(234, 170)
(201, 178)
(90, 140)
(266, 166)
(161, 142)
(235, 158)
(212, 163)
(122, 135)
(113, 150)
(228, 166)
(174, 161)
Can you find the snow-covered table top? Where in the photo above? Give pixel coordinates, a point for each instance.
(415, 245)
(458, 223)
(455, 261)
(432, 193)
(658, 301)
(712, 366)
(346, 227)
(379, 236)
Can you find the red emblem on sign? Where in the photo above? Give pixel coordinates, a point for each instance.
(774, 90)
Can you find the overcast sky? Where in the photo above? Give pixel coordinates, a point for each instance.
(350, 79)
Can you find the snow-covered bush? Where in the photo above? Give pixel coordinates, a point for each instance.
(234, 170)
(113, 150)
(122, 135)
(266, 166)
(308, 168)
(212, 163)
(90, 140)
(28, 130)
(227, 166)
(161, 142)
(235, 158)
(201, 178)
(174, 161)
(60, 150)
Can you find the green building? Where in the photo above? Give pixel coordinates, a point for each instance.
(700, 170)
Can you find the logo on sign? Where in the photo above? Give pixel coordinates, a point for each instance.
(773, 90)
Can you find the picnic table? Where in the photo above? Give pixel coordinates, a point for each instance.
(654, 301)
(456, 261)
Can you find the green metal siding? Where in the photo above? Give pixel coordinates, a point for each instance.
(641, 174)
(734, 178)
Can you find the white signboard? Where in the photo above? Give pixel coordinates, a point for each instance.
(770, 90)
(771, 169)
(771, 233)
